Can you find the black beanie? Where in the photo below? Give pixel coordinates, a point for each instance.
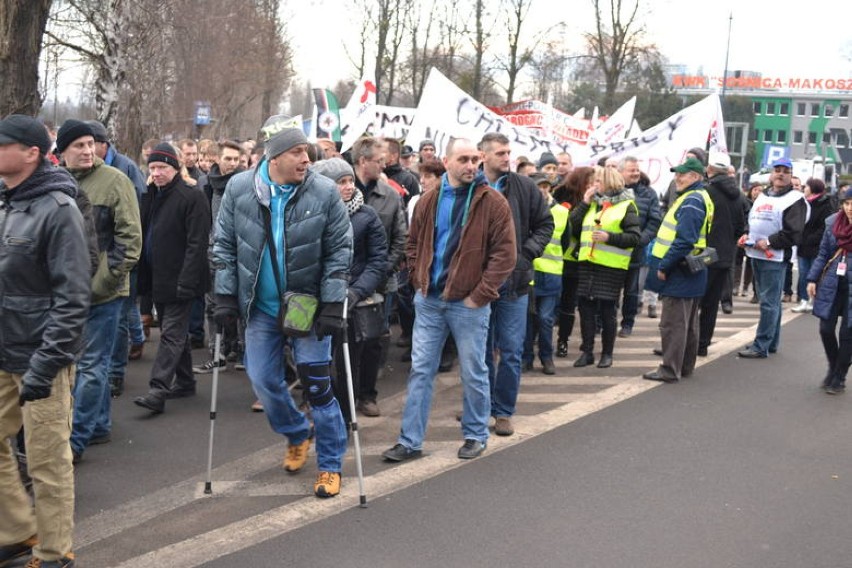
(164, 152)
(71, 130)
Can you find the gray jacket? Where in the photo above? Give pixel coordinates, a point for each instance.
(318, 238)
(45, 284)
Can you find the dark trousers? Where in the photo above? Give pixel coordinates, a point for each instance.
(837, 345)
(196, 319)
(172, 368)
(608, 310)
(567, 305)
(630, 305)
(365, 360)
(728, 288)
(679, 334)
(788, 279)
(709, 305)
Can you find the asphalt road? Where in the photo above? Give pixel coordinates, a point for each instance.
(745, 464)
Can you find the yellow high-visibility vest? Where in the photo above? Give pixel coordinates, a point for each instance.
(609, 220)
(668, 229)
(551, 259)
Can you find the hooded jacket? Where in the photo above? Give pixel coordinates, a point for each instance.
(117, 222)
(728, 219)
(45, 284)
(821, 208)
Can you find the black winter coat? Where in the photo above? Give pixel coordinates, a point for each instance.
(370, 253)
(175, 232)
(45, 279)
(604, 282)
(533, 228)
(650, 218)
(728, 219)
(821, 208)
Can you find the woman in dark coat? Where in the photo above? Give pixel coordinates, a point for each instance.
(570, 193)
(822, 205)
(599, 286)
(368, 271)
(829, 285)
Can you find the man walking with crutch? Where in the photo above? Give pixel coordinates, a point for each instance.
(282, 252)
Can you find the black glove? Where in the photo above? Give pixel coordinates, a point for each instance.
(330, 319)
(33, 388)
(353, 298)
(226, 311)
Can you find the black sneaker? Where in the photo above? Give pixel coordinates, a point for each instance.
(471, 449)
(208, 367)
(561, 348)
(400, 453)
(10, 552)
(835, 389)
(152, 402)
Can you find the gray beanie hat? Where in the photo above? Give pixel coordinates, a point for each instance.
(334, 168)
(283, 141)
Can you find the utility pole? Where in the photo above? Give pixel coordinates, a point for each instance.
(727, 53)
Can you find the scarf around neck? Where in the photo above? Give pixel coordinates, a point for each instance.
(354, 204)
(842, 230)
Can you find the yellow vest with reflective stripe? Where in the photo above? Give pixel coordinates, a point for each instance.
(551, 259)
(668, 229)
(608, 220)
(570, 254)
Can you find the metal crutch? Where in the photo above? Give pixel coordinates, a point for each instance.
(353, 415)
(217, 346)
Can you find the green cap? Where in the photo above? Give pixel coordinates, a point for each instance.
(690, 165)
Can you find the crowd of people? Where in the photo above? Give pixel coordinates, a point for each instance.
(290, 252)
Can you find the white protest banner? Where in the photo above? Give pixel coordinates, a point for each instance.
(635, 130)
(661, 147)
(545, 121)
(615, 128)
(391, 122)
(445, 112)
(357, 115)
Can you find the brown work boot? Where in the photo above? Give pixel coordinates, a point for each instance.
(327, 484)
(297, 455)
(503, 426)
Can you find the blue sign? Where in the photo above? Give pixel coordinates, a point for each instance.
(202, 113)
(772, 153)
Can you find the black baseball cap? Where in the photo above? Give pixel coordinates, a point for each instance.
(26, 130)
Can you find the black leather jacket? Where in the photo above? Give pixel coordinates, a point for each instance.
(45, 283)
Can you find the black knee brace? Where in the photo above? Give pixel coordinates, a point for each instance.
(317, 383)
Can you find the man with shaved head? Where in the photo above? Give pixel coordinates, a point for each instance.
(460, 250)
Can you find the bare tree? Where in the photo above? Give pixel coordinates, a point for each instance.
(22, 24)
(617, 42)
(518, 58)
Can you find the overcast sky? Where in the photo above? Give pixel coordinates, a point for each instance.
(786, 38)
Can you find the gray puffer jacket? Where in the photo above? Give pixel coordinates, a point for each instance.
(318, 239)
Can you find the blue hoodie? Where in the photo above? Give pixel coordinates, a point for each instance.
(268, 296)
(450, 217)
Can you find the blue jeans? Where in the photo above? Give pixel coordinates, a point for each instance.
(129, 331)
(802, 286)
(435, 319)
(265, 365)
(91, 388)
(768, 281)
(542, 324)
(506, 333)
